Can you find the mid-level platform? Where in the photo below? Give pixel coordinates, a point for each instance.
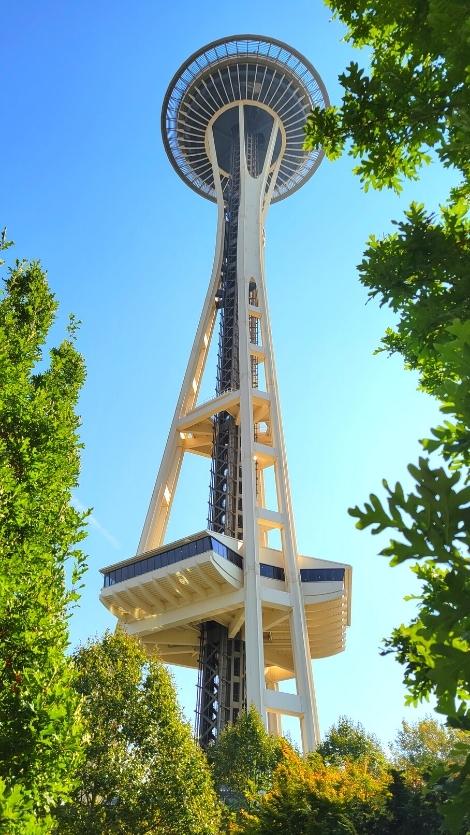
(164, 595)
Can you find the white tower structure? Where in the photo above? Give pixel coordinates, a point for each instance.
(247, 613)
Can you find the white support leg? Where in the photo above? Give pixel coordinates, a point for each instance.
(248, 268)
(167, 479)
(298, 627)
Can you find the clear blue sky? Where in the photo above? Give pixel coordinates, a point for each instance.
(87, 188)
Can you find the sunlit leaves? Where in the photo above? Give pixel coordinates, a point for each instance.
(415, 96)
(142, 771)
(433, 519)
(244, 756)
(39, 529)
(308, 796)
(347, 741)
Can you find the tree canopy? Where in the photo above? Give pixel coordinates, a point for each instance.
(142, 770)
(308, 796)
(348, 741)
(245, 755)
(39, 528)
(422, 746)
(415, 96)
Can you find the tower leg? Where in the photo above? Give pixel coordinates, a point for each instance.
(274, 720)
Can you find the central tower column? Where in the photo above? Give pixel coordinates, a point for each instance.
(253, 184)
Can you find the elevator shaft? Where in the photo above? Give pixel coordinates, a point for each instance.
(225, 502)
(221, 682)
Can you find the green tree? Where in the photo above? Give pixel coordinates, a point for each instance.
(142, 771)
(39, 465)
(411, 808)
(422, 746)
(309, 797)
(244, 756)
(416, 98)
(348, 741)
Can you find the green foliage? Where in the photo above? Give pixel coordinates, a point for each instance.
(411, 809)
(348, 741)
(421, 752)
(347, 785)
(416, 98)
(244, 757)
(420, 747)
(39, 465)
(307, 796)
(142, 771)
(422, 272)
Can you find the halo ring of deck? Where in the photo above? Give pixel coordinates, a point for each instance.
(248, 69)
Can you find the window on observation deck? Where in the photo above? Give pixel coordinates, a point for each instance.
(173, 555)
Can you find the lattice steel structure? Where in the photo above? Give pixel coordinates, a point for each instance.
(245, 614)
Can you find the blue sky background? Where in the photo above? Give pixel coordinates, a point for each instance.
(87, 188)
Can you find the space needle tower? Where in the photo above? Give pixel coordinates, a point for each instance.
(236, 601)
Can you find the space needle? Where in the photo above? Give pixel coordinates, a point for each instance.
(236, 600)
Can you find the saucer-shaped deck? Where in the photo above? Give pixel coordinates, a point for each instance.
(262, 73)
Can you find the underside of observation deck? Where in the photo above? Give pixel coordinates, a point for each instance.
(164, 596)
(250, 69)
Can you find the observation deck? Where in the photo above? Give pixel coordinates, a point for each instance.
(264, 74)
(162, 597)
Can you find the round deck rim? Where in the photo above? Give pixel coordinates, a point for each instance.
(296, 66)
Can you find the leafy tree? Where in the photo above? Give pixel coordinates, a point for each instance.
(348, 741)
(39, 464)
(244, 756)
(418, 752)
(422, 746)
(142, 772)
(411, 808)
(307, 797)
(416, 98)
